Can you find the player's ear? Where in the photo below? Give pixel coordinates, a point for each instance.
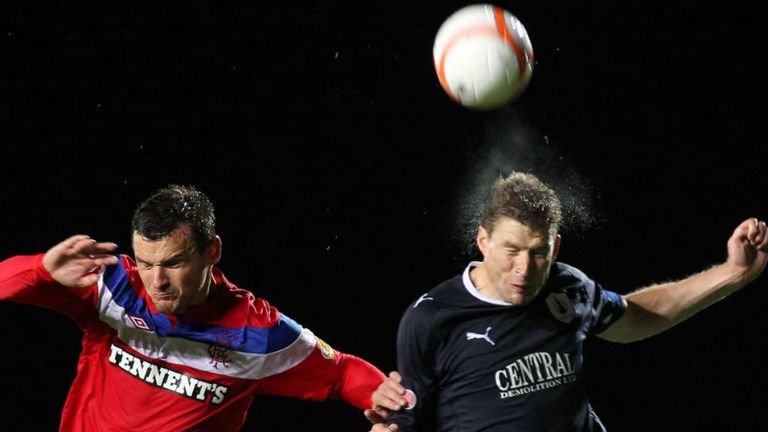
(556, 247)
(213, 254)
(482, 239)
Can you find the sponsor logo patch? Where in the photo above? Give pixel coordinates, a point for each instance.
(168, 379)
(535, 372)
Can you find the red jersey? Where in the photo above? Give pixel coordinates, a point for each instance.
(142, 370)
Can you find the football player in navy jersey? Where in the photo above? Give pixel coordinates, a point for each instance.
(499, 347)
(169, 344)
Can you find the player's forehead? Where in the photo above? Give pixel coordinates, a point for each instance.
(508, 231)
(177, 244)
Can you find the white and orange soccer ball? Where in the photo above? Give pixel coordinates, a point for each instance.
(483, 56)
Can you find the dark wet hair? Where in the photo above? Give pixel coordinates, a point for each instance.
(172, 207)
(524, 198)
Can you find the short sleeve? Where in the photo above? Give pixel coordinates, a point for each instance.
(608, 308)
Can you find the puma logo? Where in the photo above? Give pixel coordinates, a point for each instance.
(421, 299)
(485, 337)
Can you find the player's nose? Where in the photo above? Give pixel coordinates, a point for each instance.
(158, 278)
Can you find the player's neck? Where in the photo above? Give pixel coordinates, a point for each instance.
(479, 277)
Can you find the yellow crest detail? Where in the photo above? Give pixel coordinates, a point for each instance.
(325, 349)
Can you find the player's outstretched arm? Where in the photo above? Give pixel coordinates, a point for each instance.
(657, 308)
(73, 261)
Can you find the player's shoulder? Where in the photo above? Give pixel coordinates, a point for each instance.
(569, 292)
(235, 307)
(443, 296)
(449, 290)
(254, 316)
(568, 284)
(564, 277)
(246, 308)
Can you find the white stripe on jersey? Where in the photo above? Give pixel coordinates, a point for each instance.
(196, 355)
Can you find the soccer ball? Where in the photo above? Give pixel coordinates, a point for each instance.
(483, 56)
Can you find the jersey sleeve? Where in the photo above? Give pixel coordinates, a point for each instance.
(608, 307)
(574, 296)
(416, 349)
(326, 373)
(23, 279)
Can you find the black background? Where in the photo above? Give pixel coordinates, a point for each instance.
(341, 171)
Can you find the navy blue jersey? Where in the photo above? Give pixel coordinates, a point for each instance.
(478, 364)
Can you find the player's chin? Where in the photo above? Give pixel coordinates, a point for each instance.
(166, 305)
(517, 297)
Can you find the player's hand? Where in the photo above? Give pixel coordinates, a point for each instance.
(75, 261)
(381, 427)
(376, 415)
(748, 248)
(390, 393)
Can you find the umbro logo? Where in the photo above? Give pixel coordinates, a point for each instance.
(139, 322)
(484, 336)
